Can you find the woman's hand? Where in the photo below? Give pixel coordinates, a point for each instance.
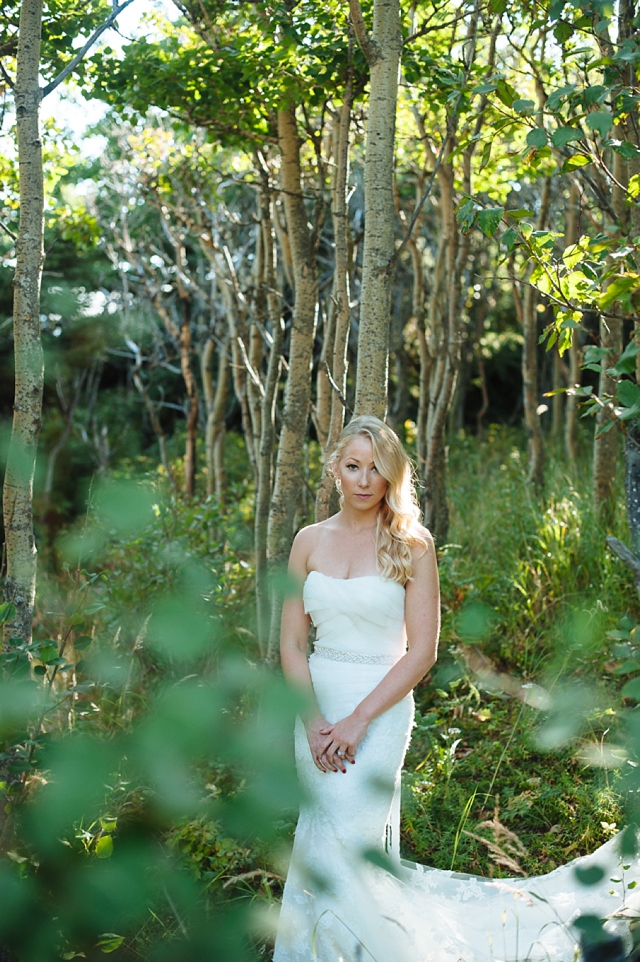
(342, 740)
(318, 743)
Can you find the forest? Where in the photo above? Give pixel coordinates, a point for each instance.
(426, 210)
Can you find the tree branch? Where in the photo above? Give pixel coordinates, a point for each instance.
(337, 390)
(71, 66)
(6, 75)
(7, 230)
(627, 557)
(366, 44)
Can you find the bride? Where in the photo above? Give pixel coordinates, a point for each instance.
(369, 584)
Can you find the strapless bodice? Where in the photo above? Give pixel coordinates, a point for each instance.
(362, 615)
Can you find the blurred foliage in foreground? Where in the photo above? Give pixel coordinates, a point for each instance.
(146, 755)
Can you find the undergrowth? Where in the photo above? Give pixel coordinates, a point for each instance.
(531, 597)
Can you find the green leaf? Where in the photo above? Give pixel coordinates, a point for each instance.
(511, 239)
(628, 393)
(466, 215)
(566, 135)
(627, 667)
(627, 362)
(601, 121)
(595, 94)
(7, 612)
(104, 847)
(524, 106)
(519, 213)
(48, 654)
(624, 148)
(575, 162)
(537, 137)
(505, 92)
(618, 288)
(573, 254)
(82, 642)
(590, 875)
(109, 942)
(556, 97)
(489, 220)
(632, 689)
(108, 825)
(484, 88)
(39, 670)
(563, 31)
(634, 185)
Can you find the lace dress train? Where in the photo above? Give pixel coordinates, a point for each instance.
(338, 904)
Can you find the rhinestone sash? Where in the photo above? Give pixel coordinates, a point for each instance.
(354, 657)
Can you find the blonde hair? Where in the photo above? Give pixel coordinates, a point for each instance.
(397, 526)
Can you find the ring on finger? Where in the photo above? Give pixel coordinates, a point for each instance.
(340, 753)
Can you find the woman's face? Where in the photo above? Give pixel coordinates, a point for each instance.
(362, 486)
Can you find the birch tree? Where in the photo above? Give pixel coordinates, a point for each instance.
(21, 553)
(382, 48)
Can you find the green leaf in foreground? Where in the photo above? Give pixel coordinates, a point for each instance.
(632, 690)
(109, 942)
(489, 220)
(7, 612)
(627, 362)
(566, 135)
(104, 847)
(537, 137)
(601, 121)
(590, 875)
(575, 162)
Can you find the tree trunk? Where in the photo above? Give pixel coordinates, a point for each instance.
(216, 402)
(606, 444)
(267, 419)
(156, 425)
(238, 366)
(631, 558)
(445, 338)
(192, 396)
(20, 582)
(530, 362)
(632, 484)
(557, 401)
(68, 411)
(288, 476)
(575, 359)
(255, 388)
(322, 419)
(383, 49)
(340, 296)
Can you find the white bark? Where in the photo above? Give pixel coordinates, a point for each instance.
(383, 49)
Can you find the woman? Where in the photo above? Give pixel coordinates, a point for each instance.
(369, 584)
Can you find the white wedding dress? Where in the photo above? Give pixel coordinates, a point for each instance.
(339, 905)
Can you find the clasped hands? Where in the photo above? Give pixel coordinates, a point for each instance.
(333, 746)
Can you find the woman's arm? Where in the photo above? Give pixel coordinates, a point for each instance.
(294, 634)
(422, 618)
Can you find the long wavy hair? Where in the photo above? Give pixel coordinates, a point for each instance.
(397, 526)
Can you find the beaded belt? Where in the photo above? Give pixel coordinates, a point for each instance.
(353, 656)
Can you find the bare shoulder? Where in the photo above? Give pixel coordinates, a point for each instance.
(305, 543)
(418, 550)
